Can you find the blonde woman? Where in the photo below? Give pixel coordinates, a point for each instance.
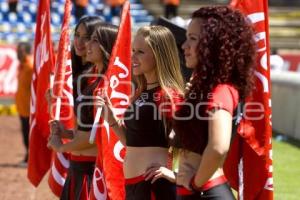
(145, 129)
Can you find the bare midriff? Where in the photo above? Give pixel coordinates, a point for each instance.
(138, 159)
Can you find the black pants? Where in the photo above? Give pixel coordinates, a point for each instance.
(219, 192)
(25, 134)
(170, 11)
(80, 176)
(162, 189)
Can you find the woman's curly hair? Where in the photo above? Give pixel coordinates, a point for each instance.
(226, 55)
(226, 51)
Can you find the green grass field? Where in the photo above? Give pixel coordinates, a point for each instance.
(286, 164)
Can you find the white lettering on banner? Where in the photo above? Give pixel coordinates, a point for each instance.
(258, 37)
(42, 53)
(67, 91)
(263, 80)
(261, 36)
(263, 61)
(122, 66)
(32, 125)
(8, 70)
(63, 160)
(119, 111)
(256, 17)
(269, 182)
(98, 177)
(57, 176)
(117, 151)
(70, 82)
(69, 95)
(114, 83)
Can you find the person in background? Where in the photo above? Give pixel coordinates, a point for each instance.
(80, 8)
(22, 97)
(12, 5)
(220, 48)
(115, 7)
(82, 154)
(171, 8)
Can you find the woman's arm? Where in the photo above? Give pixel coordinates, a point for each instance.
(219, 127)
(57, 128)
(156, 171)
(79, 142)
(114, 122)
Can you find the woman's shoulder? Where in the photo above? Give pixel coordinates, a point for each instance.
(224, 96)
(225, 89)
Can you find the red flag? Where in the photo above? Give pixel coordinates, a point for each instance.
(8, 70)
(60, 162)
(58, 172)
(39, 154)
(62, 56)
(249, 164)
(109, 164)
(62, 104)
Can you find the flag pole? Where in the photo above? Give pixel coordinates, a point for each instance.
(94, 128)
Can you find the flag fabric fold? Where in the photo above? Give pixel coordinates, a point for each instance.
(62, 102)
(108, 180)
(39, 155)
(248, 166)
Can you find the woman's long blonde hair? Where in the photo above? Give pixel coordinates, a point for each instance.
(163, 45)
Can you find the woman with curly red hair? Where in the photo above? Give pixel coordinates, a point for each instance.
(221, 51)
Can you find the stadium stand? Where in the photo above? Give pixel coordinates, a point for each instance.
(284, 18)
(21, 26)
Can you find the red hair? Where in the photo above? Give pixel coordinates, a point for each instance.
(226, 53)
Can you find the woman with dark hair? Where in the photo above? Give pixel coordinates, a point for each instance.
(82, 154)
(220, 49)
(83, 31)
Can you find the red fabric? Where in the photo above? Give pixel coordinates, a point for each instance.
(58, 172)
(129, 181)
(62, 52)
(182, 191)
(210, 183)
(8, 71)
(250, 151)
(109, 164)
(223, 96)
(62, 88)
(39, 154)
(82, 158)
